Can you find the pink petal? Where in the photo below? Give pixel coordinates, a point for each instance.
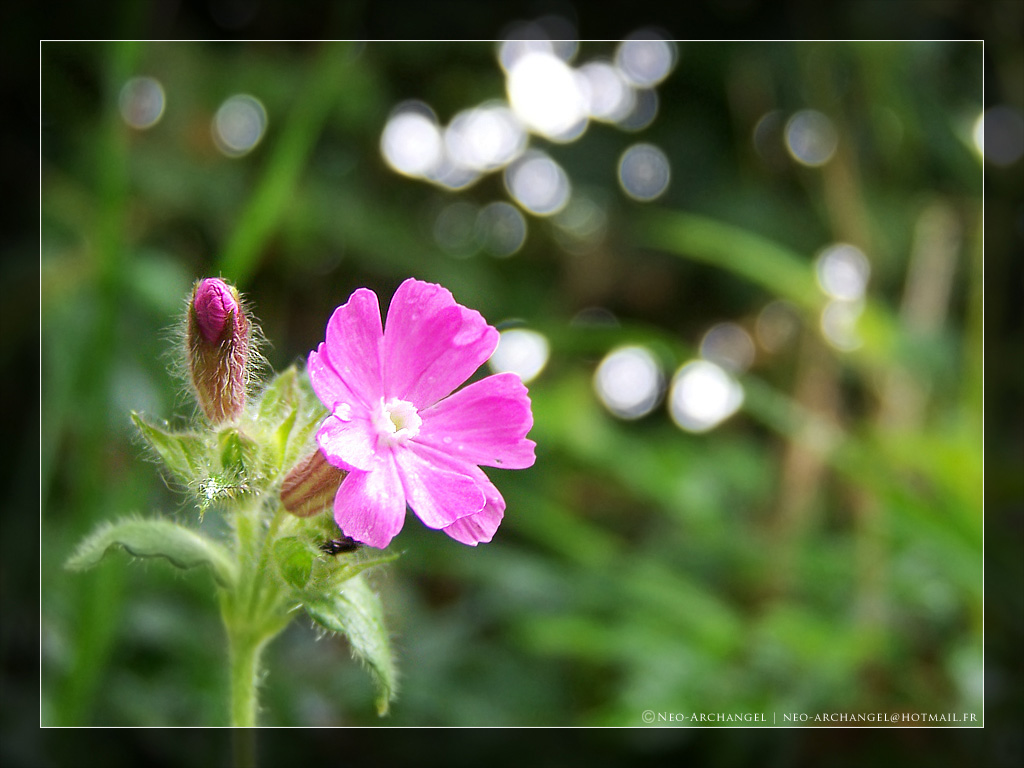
(327, 384)
(370, 506)
(480, 528)
(431, 343)
(438, 495)
(485, 423)
(350, 442)
(353, 348)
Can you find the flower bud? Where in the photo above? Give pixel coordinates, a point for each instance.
(218, 345)
(311, 485)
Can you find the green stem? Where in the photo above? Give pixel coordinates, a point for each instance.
(262, 563)
(253, 614)
(244, 649)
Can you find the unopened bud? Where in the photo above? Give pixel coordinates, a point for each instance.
(218, 349)
(311, 485)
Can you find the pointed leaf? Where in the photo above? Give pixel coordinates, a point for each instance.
(332, 570)
(355, 611)
(183, 547)
(309, 413)
(237, 452)
(280, 397)
(285, 457)
(185, 454)
(276, 415)
(240, 457)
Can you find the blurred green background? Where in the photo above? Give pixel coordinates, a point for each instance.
(819, 550)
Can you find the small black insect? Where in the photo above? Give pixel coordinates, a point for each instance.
(337, 546)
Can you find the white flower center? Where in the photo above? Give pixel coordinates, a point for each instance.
(397, 421)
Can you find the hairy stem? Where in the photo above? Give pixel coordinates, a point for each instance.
(245, 646)
(253, 614)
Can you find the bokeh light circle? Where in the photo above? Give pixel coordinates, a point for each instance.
(644, 172)
(843, 271)
(703, 396)
(629, 382)
(141, 102)
(522, 352)
(538, 184)
(239, 125)
(811, 138)
(411, 142)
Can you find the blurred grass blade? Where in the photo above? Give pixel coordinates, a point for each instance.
(274, 191)
(782, 271)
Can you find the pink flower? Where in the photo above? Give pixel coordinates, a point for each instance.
(396, 428)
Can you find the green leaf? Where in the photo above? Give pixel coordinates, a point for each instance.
(294, 559)
(355, 611)
(239, 455)
(280, 398)
(309, 413)
(276, 413)
(185, 454)
(332, 570)
(232, 450)
(282, 455)
(288, 414)
(183, 547)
